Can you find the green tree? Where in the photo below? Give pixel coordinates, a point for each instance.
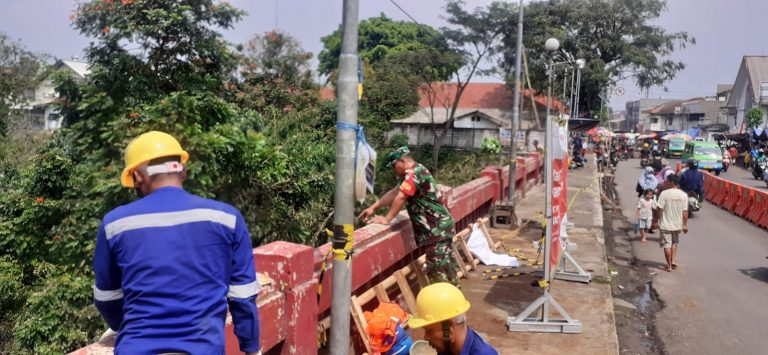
(753, 118)
(473, 39)
(155, 66)
(395, 55)
(618, 39)
(378, 38)
(276, 69)
(20, 69)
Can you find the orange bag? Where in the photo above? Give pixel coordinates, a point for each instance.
(382, 325)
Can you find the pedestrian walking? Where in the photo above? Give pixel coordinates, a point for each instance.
(673, 211)
(170, 264)
(432, 223)
(644, 215)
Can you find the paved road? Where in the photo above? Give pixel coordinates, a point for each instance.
(715, 302)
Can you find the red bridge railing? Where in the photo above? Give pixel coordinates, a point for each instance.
(289, 312)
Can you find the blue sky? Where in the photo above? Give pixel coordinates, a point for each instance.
(724, 31)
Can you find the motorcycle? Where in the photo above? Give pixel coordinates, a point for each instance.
(614, 159)
(765, 179)
(624, 154)
(577, 162)
(694, 203)
(758, 169)
(726, 161)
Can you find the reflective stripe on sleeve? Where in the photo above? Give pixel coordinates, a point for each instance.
(243, 291)
(107, 295)
(169, 219)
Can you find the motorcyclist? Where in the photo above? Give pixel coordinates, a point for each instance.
(645, 152)
(692, 180)
(656, 163)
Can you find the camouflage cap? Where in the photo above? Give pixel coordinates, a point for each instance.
(397, 154)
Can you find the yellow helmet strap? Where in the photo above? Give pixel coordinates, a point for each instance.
(447, 335)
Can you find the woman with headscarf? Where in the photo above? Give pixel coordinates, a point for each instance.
(662, 175)
(646, 181)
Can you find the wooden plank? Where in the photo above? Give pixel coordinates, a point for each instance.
(471, 261)
(381, 293)
(493, 245)
(418, 270)
(402, 282)
(464, 234)
(458, 258)
(357, 315)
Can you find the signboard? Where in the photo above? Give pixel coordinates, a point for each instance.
(505, 134)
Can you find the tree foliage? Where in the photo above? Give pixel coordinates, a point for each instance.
(619, 39)
(273, 66)
(754, 117)
(156, 66)
(378, 38)
(473, 40)
(20, 69)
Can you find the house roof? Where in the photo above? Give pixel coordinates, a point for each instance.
(667, 107)
(501, 118)
(475, 96)
(757, 71)
(723, 88)
(80, 68)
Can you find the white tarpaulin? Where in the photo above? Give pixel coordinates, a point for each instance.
(478, 245)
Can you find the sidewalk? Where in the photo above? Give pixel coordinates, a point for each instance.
(592, 304)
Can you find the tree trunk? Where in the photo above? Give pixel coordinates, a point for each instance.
(435, 155)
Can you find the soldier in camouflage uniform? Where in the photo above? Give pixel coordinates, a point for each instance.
(432, 223)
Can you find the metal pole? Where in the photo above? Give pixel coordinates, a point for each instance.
(578, 90)
(548, 188)
(344, 204)
(573, 79)
(516, 106)
(565, 86)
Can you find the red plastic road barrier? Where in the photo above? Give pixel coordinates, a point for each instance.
(719, 190)
(710, 191)
(707, 183)
(763, 219)
(747, 201)
(759, 207)
(733, 196)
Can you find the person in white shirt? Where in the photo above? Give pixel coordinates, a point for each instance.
(645, 207)
(673, 212)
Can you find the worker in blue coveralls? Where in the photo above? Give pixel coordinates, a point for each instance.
(168, 265)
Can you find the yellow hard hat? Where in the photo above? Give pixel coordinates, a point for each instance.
(645, 145)
(148, 146)
(436, 303)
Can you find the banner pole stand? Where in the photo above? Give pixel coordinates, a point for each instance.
(579, 275)
(523, 322)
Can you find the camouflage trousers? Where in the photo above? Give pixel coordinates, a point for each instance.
(441, 267)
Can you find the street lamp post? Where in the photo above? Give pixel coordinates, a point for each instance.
(544, 323)
(579, 65)
(551, 45)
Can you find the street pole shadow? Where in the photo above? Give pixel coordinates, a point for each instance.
(757, 273)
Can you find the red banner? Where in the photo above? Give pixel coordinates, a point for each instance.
(559, 208)
(559, 194)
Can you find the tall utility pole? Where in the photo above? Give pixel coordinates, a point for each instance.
(578, 87)
(516, 108)
(344, 203)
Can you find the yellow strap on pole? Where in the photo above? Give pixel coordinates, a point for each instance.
(344, 232)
